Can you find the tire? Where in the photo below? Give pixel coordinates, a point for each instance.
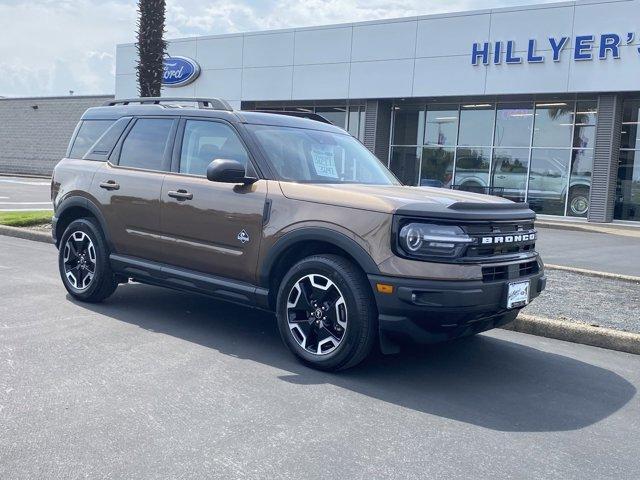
(84, 269)
(578, 202)
(345, 331)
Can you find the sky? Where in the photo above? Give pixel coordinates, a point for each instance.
(49, 47)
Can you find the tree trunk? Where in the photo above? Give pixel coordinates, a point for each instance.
(151, 47)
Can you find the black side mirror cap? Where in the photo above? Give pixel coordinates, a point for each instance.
(228, 171)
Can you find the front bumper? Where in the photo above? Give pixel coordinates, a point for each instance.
(428, 311)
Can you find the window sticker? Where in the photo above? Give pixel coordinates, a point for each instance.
(324, 161)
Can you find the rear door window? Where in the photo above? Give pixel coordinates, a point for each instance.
(88, 133)
(147, 144)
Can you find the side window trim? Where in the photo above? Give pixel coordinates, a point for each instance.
(114, 158)
(179, 138)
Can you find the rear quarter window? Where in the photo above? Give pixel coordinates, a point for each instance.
(88, 133)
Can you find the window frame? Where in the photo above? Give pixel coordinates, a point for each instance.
(179, 138)
(114, 158)
(76, 132)
(103, 157)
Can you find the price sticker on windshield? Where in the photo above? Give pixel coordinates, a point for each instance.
(324, 162)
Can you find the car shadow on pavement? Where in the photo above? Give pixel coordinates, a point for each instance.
(483, 380)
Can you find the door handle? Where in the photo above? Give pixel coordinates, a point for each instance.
(180, 194)
(110, 185)
(501, 177)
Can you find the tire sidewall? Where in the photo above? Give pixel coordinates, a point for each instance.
(578, 192)
(355, 318)
(101, 269)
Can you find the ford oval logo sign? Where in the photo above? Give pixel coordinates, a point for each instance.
(179, 71)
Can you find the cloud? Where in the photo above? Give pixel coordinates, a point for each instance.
(49, 47)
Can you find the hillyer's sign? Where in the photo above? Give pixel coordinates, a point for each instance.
(179, 71)
(584, 47)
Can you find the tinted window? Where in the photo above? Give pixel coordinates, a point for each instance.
(104, 145)
(89, 132)
(203, 142)
(146, 143)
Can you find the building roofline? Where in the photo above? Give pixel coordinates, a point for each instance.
(461, 13)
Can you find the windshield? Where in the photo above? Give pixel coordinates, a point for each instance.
(313, 156)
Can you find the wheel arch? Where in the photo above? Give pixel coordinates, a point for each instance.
(301, 243)
(71, 209)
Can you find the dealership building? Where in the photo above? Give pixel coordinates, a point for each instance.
(537, 103)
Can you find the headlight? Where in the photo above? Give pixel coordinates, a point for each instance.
(432, 240)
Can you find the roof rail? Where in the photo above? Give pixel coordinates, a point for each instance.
(214, 103)
(310, 115)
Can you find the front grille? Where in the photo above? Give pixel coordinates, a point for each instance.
(500, 239)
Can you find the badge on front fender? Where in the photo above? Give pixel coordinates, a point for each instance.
(243, 236)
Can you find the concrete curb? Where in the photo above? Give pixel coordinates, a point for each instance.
(576, 333)
(594, 273)
(26, 233)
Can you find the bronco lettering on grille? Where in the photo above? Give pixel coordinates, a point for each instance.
(526, 237)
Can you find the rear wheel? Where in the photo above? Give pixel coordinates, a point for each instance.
(326, 312)
(83, 261)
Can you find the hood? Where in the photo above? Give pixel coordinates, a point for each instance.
(415, 201)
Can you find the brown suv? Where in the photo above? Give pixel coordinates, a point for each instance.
(287, 214)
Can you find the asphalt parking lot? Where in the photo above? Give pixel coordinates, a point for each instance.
(155, 383)
(21, 193)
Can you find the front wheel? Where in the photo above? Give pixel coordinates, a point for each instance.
(326, 312)
(83, 260)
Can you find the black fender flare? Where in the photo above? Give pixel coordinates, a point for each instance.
(82, 202)
(327, 235)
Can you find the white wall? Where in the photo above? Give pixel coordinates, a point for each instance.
(417, 56)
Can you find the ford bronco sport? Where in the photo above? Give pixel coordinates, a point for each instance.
(288, 214)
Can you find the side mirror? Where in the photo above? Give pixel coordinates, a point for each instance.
(228, 171)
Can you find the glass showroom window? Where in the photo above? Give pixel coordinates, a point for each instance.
(336, 115)
(562, 157)
(404, 162)
(628, 187)
(473, 155)
(438, 155)
(512, 139)
(541, 153)
(407, 140)
(350, 118)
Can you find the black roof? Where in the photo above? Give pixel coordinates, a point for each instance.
(113, 112)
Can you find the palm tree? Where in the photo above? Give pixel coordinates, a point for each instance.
(151, 47)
